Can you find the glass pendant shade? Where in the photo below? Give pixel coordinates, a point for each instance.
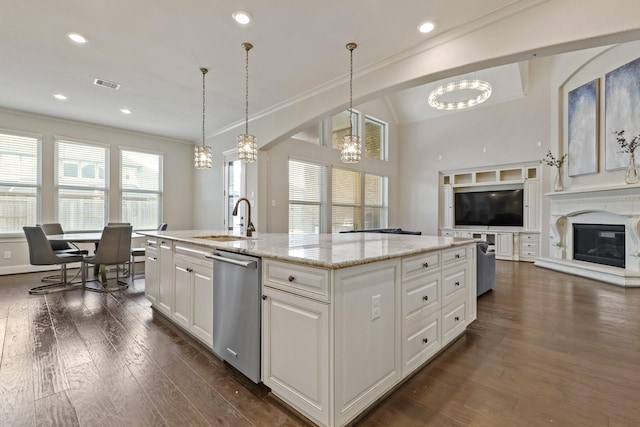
(351, 149)
(247, 148)
(202, 157)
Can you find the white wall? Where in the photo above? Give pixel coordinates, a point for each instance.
(274, 167)
(509, 132)
(177, 204)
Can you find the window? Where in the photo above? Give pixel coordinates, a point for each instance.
(312, 135)
(19, 182)
(346, 206)
(141, 186)
(81, 186)
(375, 201)
(375, 136)
(235, 187)
(341, 126)
(307, 183)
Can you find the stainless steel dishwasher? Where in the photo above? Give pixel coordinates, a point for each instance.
(236, 311)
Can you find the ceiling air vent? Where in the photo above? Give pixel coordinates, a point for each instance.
(107, 84)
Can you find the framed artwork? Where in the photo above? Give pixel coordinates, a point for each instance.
(622, 111)
(583, 129)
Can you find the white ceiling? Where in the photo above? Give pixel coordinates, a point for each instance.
(155, 49)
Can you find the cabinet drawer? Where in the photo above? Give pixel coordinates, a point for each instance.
(420, 297)
(524, 237)
(529, 246)
(420, 264)
(151, 244)
(420, 341)
(193, 252)
(529, 254)
(311, 282)
(454, 320)
(450, 256)
(454, 283)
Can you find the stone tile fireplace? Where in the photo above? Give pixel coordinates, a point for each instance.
(595, 233)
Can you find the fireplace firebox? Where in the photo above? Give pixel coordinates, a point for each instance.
(599, 243)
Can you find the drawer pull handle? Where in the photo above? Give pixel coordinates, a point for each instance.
(425, 298)
(291, 278)
(425, 340)
(264, 297)
(457, 256)
(457, 318)
(457, 283)
(153, 258)
(425, 265)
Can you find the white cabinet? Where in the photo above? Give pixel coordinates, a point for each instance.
(193, 292)
(296, 337)
(368, 335)
(504, 246)
(531, 217)
(529, 246)
(446, 208)
(165, 279)
(151, 270)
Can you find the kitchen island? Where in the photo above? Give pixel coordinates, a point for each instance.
(345, 317)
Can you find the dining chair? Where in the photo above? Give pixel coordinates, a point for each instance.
(113, 249)
(59, 247)
(140, 252)
(41, 253)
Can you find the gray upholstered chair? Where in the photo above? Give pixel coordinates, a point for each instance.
(59, 247)
(41, 253)
(140, 252)
(486, 268)
(113, 249)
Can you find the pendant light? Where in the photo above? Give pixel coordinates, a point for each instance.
(351, 148)
(247, 144)
(203, 152)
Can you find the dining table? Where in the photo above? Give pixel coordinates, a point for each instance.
(86, 237)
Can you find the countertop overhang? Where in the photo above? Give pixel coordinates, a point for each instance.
(332, 251)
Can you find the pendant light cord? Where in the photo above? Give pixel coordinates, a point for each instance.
(351, 47)
(204, 71)
(247, 47)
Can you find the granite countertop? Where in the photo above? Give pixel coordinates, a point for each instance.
(321, 250)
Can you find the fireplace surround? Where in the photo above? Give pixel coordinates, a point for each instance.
(617, 208)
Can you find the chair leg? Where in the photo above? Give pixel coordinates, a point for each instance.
(132, 263)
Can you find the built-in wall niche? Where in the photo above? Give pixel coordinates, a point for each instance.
(493, 176)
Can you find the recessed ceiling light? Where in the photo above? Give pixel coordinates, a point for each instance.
(125, 111)
(241, 17)
(78, 38)
(59, 96)
(426, 27)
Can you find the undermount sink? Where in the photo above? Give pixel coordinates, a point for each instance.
(223, 238)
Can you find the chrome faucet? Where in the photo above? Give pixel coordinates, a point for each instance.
(250, 227)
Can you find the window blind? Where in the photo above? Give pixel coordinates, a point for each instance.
(346, 200)
(307, 187)
(81, 196)
(140, 182)
(19, 183)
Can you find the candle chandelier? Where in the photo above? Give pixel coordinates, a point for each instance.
(202, 152)
(351, 148)
(247, 144)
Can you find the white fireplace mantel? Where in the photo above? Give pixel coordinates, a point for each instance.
(614, 204)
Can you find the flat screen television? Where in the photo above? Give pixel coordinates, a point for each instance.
(490, 208)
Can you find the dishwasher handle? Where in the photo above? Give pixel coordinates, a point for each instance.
(245, 264)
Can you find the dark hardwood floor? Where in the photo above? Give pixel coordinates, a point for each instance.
(547, 349)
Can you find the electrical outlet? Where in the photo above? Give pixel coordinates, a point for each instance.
(375, 307)
(7, 254)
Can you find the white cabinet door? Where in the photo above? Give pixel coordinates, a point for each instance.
(295, 352)
(165, 280)
(532, 205)
(368, 335)
(151, 267)
(183, 282)
(202, 314)
(446, 211)
(504, 245)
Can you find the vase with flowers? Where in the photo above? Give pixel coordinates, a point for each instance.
(631, 176)
(557, 162)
